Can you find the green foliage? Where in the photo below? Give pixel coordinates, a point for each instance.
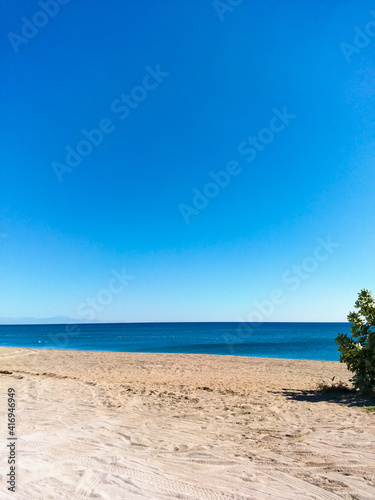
(358, 351)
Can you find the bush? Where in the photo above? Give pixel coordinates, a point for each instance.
(358, 351)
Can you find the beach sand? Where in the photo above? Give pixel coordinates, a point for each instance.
(180, 426)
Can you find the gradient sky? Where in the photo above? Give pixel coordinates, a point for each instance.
(224, 72)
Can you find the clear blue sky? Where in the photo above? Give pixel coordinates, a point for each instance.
(216, 77)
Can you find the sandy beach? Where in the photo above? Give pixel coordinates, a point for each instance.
(179, 426)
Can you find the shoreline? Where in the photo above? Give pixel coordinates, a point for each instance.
(161, 353)
(192, 426)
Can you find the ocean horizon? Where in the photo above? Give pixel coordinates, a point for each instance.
(286, 340)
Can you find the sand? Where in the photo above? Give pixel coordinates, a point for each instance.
(180, 426)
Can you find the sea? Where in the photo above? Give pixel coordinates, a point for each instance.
(314, 341)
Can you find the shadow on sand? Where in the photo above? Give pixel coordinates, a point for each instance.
(342, 396)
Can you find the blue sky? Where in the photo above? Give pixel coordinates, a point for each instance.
(179, 89)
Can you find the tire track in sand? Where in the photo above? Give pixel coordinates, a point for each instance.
(171, 486)
(96, 470)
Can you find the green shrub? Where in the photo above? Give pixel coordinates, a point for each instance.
(358, 351)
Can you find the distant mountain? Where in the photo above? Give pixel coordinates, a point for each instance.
(43, 321)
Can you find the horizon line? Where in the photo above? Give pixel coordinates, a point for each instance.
(160, 322)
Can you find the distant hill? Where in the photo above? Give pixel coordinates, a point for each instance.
(42, 321)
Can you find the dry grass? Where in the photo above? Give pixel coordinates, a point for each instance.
(332, 386)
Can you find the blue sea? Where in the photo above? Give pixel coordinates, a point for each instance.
(272, 340)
